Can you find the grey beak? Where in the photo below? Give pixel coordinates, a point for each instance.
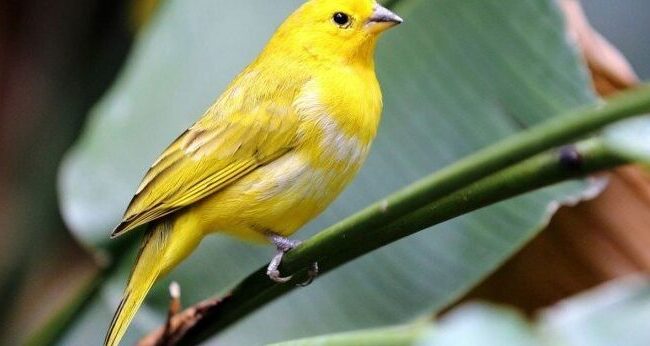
(381, 14)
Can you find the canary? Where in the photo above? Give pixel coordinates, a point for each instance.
(273, 151)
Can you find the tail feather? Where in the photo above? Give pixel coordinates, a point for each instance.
(148, 268)
(166, 244)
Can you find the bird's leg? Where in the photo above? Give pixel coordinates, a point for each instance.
(283, 246)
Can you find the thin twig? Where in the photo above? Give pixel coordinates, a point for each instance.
(174, 309)
(179, 324)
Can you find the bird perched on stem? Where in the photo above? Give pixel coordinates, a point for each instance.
(286, 136)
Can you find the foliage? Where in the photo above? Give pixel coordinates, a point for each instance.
(457, 76)
(613, 314)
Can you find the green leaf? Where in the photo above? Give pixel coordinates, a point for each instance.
(479, 324)
(470, 325)
(630, 138)
(457, 75)
(616, 313)
(391, 336)
(613, 314)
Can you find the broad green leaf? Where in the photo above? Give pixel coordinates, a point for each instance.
(456, 76)
(613, 314)
(478, 324)
(630, 138)
(616, 313)
(387, 336)
(469, 325)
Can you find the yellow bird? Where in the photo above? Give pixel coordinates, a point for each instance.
(274, 150)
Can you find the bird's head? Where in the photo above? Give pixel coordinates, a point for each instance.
(344, 30)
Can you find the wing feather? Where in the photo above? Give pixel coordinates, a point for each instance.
(215, 152)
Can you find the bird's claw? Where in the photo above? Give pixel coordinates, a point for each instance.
(272, 270)
(274, 275)
(283, 246)
(312, 273)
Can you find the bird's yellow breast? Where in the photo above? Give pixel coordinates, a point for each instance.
(337, 123)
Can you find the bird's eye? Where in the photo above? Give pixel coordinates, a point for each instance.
(341, 19)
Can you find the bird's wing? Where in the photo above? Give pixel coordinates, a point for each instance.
(215, 152)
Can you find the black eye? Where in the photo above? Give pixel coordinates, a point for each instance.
(341, 18)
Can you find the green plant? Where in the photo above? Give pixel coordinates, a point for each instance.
(457, 77)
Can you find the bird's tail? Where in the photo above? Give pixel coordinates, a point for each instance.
(162, 249)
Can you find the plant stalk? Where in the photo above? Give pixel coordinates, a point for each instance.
(334, 247)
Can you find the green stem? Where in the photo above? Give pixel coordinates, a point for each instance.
(59, 322)
(336, 245)
(552, 133)
(55, 326)
(366, 230)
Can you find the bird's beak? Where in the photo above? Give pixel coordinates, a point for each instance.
(382, 19)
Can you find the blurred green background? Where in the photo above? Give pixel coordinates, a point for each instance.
(57, 58)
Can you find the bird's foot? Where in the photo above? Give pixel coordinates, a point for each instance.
(283, 246)
(312, 273)
(272, 270)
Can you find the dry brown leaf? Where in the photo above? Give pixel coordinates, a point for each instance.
(609, 69)
(585, 245)
(597, 240)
